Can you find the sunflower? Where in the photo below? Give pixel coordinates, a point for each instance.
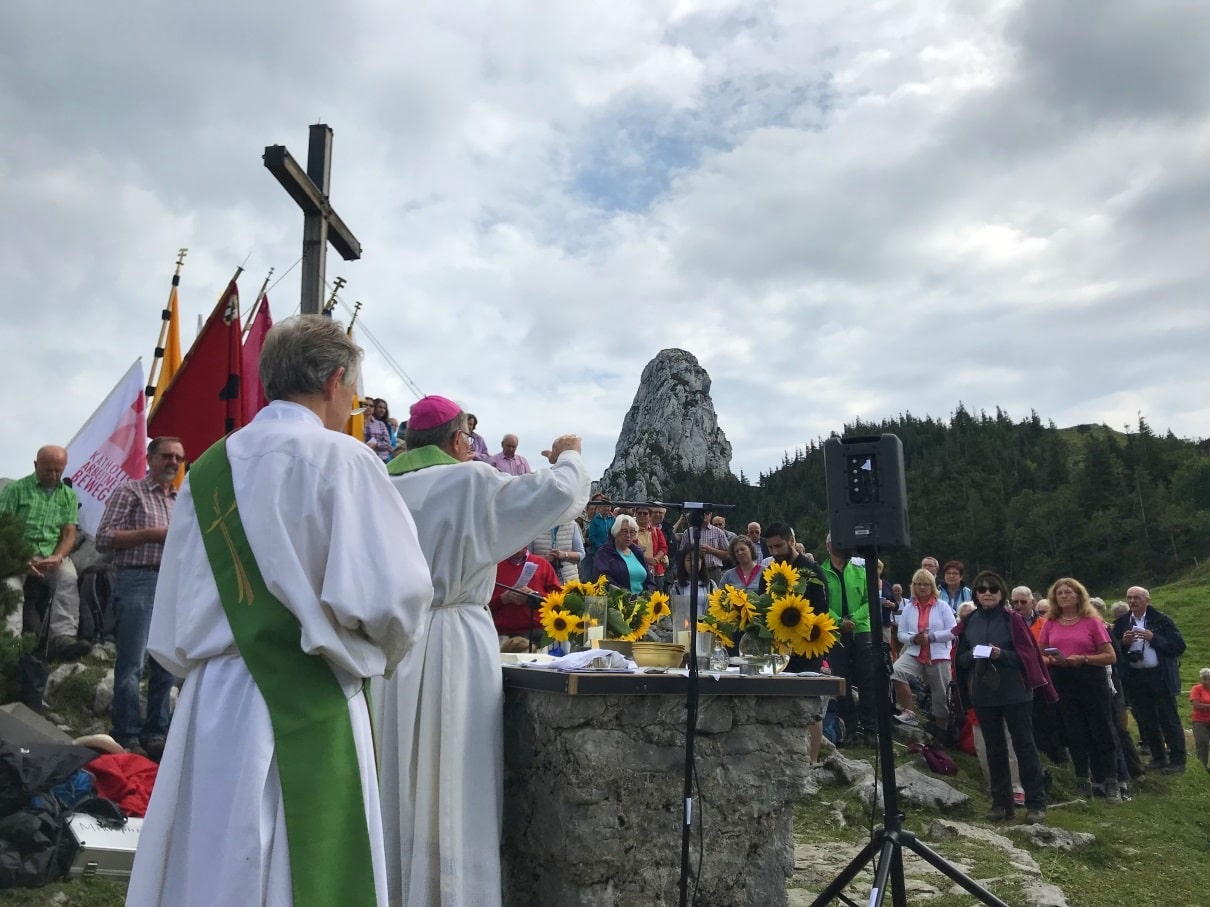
(575, 587)
(780, 571)
(743, 607)
(788, 617)
(718, 632)
(559, 624)
(719, 610)
(554, 600)
(818, 635)
(599, 587)
(657, 605)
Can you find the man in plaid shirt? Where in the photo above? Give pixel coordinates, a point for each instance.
(714, 544)
(133, 529)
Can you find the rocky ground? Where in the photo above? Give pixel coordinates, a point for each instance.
(1002, 858)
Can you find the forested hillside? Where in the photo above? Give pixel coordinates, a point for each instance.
(1026, 499)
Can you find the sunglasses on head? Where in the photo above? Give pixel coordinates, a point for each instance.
(986, 588)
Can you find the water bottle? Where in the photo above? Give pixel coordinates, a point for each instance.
(718, 658)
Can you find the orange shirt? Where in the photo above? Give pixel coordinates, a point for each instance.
(1199, 693)
(1036, 627)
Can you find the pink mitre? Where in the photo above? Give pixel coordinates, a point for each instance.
(429, 412)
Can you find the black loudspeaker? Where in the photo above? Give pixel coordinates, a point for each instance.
(867, 495)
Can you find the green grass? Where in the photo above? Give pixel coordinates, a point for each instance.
(1152, 843)
(76, 893)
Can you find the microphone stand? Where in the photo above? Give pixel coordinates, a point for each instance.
(691, 697)
(696, 511)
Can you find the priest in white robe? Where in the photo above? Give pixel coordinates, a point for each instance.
(338, 549)
(440, 719)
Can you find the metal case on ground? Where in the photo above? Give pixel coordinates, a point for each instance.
(105, 852)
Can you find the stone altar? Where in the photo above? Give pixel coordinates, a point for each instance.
(594, 783)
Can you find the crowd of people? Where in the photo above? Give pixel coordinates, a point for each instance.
(292, 571)
(1017, 675)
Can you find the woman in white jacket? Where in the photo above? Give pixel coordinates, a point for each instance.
(925, 628)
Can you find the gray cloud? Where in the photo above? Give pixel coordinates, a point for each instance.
(841, 212)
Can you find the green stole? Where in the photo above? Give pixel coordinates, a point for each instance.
(326, 831)
(420, 458)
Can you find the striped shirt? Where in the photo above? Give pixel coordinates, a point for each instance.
(136, 505)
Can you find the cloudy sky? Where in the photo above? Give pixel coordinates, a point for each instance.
(842, 209)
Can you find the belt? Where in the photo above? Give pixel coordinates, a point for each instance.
(154, 568)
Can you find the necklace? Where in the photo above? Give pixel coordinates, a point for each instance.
(1069, 620)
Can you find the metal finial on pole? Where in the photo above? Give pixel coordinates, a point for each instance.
(337, 285)
(264, 288)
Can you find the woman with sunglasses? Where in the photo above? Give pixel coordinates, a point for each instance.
(999, 667)
(1078, 650)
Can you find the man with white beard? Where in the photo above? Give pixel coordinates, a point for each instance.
(291, 574)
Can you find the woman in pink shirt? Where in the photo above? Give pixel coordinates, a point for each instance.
(1078, 650)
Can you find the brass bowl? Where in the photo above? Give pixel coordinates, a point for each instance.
(618, 645)
(647, 657)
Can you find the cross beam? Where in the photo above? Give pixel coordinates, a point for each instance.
(321, 224)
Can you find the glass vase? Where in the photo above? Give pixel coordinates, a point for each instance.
(757, 652)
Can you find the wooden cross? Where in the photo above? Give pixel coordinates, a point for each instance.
(321, 224)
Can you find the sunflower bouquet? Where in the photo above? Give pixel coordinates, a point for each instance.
(566, 614)
(782, 614)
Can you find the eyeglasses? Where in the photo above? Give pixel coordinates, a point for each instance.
(1023, 601)
(470, 439)
(987, 588)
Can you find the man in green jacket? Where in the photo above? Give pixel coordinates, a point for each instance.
(852, 658)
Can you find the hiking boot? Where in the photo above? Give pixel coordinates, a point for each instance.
(1156, 764)
(1036, 817)
(1084, 788)
(1000, 814)
(908, 718)
(1173, 768)
(67, 648)
(154, 748)
(1018, 798)
(1112, 794)
(1124, 791)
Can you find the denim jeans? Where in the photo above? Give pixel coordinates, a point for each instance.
(133, 598)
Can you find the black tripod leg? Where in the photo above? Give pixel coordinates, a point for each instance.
(849, 873)
(898, 884)
(938, 862)
(888, 859)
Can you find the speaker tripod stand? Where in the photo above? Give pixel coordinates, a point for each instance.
(887, 843)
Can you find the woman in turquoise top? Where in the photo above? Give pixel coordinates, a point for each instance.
(623, 563)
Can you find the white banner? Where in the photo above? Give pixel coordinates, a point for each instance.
(111, 448)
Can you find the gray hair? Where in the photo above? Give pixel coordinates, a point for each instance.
(438, 435)
(1098, 603)
(1204, 674)
(302, 353)
(1117, 609)
(623, 522)
(1021, 590)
